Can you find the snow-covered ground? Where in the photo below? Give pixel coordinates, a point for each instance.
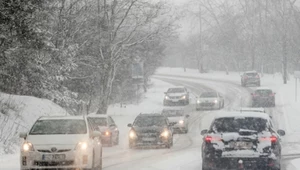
(186, 151)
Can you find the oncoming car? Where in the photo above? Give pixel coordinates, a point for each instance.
(150, 130)
(176, 96)
(210, 100)
(177, 118)
(61, 142)
(106, 125)
(241, 141)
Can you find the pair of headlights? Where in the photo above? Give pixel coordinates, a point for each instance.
(80, 146)
(182, 97)
(199, 101)
(165, 134)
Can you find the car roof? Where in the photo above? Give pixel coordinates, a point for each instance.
(149, 114)
(263, 88)
(175, 87)
(243, 114)
(253, 71)
(62, 117)
(252, 109)
(173, 108)
(98, 116)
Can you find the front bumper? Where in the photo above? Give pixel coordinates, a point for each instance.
(174, 102)
(207, 105)
(149, 141)
(71, 159)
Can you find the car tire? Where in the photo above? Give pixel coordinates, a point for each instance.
(223, 104)
(117, 141)
(186, 131)
(131, 146)
(111, 142)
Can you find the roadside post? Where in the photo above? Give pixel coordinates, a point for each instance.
(137, 73)
(297, 76)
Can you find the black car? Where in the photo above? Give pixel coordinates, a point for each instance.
(263, 97)
(241, 141)
(177, 96)
(250, 77)
(150, 129)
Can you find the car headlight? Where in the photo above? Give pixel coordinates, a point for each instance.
(107, 133)
(132, 134)
(165, 134)
(181, 121)
(167, 97)
(216, 101)
(82, 146)
(27, 147)
(183, 97)
(198, 101)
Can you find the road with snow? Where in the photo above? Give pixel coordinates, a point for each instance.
(186, 152)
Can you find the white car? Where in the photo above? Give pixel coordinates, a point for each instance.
(210, 100)
(178, 95)
(177, 119)
(108, 128)
(61, 142)
(252, 109)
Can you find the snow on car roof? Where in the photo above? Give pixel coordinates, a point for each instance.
(252, 109)
(176, 87)
(263, 88)
(61, 117)
(253, 71)
(173, 108)
(243, 114)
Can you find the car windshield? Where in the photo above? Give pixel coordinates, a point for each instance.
(58, 127)
(233, 124)
(173, 113)
(208, 95)
(263, 92)
(145, 121)
(176, 90)
(97, 121)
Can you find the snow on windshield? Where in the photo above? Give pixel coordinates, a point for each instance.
(173, 113)
(208, 94)
(56, 127)
(145, 121)
(176, 90)
(99, 121)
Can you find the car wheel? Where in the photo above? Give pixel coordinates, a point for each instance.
(223, 104)
(131, 146)
(111, 142)
(186, 130)
(117, 140)
(220, 106)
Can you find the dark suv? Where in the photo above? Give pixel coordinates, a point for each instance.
(263, 97)
(250, 77)
(150, 129)
(241, 141)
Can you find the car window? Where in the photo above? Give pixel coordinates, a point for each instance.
(176, 90)
(235, 124)
(144, 121)
(58, 126)
(251, 74)
(208, 94)
(99, 121)
(172, 113)
(263, 92)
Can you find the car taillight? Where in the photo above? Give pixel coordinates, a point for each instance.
(209, 139)
(245, 77)
(257, 76)
(273, 139)
(272, 94)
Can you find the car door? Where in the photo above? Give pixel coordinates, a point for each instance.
(96, 142)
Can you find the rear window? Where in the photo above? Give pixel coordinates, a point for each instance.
(208, 94)
(263, 92)
(145, 121)
(251, 74)
(176, 90)
(98, 121)
(235, 124)
(172, 113)
(58, 126)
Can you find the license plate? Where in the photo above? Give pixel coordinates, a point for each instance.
(243, 145)
(148, 139)
(54, 157)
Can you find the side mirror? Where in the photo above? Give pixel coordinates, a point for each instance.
(96, 134)
(187, 116)
(23, 135)
(112, 125)
(281, 132)
(203, 132)
(129, 125)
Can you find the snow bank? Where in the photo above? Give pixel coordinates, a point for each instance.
(17, 114)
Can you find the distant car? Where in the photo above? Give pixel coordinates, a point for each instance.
(178, 119)
(150, 130)
(177, 95)
(241, 141)
(250, 77)
(210, 100)
(263, 97)
(108, 128)
(61, 142)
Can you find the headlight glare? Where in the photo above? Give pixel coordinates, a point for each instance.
(165, 134)
(27, 147)
(132, 134)
(216, 101)
(183, 97)
(167, 97)
(82, 146)
(181, 121)
(198, 101)
(107, 133)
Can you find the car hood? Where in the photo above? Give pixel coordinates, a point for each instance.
(175, 94)
(152, 129)
(176, 119)
(103, 128)
(56, 139)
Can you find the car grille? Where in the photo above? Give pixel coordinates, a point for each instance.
(60, 163)
(48, 151)
(207, 104)
(175, 97)
(148, 135)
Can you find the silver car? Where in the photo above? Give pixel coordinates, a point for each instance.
(210, 100)
(178, 119)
